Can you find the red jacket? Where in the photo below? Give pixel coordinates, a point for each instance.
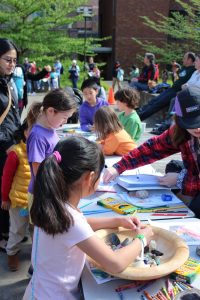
(160, 147)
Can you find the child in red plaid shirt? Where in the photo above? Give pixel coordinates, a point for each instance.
(182, 137)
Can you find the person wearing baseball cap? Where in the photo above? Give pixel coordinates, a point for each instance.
(184, 137)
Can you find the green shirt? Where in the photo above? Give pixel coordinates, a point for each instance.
(132, 124)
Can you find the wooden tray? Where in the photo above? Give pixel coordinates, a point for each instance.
(175, 251)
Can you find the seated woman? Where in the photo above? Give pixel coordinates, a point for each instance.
(149, 72)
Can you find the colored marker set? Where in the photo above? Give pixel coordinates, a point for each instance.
(167, 292)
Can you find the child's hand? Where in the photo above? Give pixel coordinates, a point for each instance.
(146, 231)
(130, 222)
(110, 174)
(5, 205)
(169, 179)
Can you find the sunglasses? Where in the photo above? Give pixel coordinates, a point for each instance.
(10, 60)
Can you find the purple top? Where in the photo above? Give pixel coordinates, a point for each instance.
(40, 144)
(87, 112)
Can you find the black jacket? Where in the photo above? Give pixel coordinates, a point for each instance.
(12, 120)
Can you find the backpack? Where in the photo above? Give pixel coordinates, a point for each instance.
(61, 70)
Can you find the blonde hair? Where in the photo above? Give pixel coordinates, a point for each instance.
(105, 122)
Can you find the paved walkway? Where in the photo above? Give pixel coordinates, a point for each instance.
(13, 284)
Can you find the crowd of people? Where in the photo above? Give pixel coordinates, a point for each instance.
(43, 179)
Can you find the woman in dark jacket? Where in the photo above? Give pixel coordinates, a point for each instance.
(11, 122)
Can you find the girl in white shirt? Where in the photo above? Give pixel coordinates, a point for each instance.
(62, 235)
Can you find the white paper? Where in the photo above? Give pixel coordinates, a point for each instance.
(190, 232)
(139, 182)
(154, 199)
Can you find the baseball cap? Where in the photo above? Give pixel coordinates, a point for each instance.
(187, 108)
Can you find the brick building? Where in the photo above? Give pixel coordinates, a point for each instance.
(121, 20)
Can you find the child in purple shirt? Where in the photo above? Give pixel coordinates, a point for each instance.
(43, 119)
(90, 105)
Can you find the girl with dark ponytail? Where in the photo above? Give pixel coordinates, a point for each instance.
(62, 235)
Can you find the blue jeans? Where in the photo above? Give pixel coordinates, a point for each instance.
(139, 86)
(156, 104)
(74, 82)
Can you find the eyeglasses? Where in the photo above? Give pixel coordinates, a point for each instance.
(9, 60)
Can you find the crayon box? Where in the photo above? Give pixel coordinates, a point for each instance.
(188, 271)
(117, 205)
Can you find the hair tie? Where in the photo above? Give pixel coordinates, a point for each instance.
(57, 156)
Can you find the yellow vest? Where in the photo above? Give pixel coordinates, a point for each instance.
(19, 189)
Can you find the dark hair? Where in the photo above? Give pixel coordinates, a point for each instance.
(106, 121)
(89, 83)
(191, 55)
(150, 56)
(19, 134)
(7, 45)
(192, 296)
(180, 135)
(134, 67)
(56, 181)
(129, 96)
(59, 99)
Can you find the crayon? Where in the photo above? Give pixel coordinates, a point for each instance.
(86, 204)
(147, 295)
(145, 285)
(121, 296)
(166, 293)
(162, 296)
(129, 286)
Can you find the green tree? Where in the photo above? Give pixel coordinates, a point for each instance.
(182, 30)
(40, 28)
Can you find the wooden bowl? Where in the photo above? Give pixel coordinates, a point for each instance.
(175, 251)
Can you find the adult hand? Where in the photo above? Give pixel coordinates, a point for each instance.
(147, 231)
(129, 222)
(169, 179)
(5, 205)
(110, 174)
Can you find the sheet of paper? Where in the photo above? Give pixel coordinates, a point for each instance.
(139, 182)
(190, 232)
(99, 275)
(154, 199)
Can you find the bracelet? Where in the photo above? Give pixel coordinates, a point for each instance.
(142, 238)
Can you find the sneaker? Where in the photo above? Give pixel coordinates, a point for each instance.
(13, 262)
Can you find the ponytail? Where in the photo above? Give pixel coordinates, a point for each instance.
(50, 196)
(33, 113)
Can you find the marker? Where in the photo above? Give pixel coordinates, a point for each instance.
(169, 214)
(86, 205)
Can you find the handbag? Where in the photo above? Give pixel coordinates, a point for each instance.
(2, 117)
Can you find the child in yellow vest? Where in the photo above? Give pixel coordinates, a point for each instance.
(15, 181)
(110, 133)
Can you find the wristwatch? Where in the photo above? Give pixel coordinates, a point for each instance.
(142, 238)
